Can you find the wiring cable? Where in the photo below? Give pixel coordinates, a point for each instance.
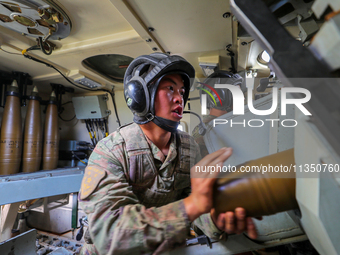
(75, 155)
(13, 53)
(93, 131)
(102, 127)
(67, 120)
(24, 53)
(59, 115)
(115, 107)
(232, 59)
(202, 129)
(43, 48)
(90, 134)
(74, 84)
(95, 123)
(106, 128)
(99, 129)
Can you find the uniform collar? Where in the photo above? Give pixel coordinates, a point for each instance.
(157, 153)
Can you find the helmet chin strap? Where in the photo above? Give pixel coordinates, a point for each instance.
(168, 125)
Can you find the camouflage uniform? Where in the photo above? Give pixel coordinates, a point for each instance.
(133, 195)
(199, 138)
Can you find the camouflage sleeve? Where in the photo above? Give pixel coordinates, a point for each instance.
(119, 224)
(207, 226)
(204, 222)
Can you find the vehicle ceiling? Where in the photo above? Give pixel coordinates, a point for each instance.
(196, 30)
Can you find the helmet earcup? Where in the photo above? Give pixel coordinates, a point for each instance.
(135, 96)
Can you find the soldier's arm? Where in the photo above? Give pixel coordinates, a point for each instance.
(203, 223)
(119, 224)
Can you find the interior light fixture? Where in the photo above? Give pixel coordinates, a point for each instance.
(84, 79)
(208, 68)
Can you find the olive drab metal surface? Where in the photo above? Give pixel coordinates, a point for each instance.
(51, 136)
(32, 135)
(11, 133)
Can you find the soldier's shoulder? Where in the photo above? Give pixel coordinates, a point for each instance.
(112, 140)
(186, 138)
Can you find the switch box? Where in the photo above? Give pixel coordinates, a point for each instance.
(91, 107)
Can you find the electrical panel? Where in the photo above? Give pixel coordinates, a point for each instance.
(91, 107)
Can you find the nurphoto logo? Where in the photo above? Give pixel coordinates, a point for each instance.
(238, 103)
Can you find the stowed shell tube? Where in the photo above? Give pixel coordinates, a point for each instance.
(11, 133)
(51, 136)
(32, 135)
(259, 193)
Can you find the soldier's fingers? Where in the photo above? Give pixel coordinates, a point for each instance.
(230, 223)
(251, 230)
(218, 156)
(220, 221)
(240, 215)
(226, 153)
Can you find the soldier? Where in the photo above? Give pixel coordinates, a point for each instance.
(221, 107)
(137, 191)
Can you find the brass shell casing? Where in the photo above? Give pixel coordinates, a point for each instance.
(259, 193)
(11, 136)
(32, 138)
(51, 138)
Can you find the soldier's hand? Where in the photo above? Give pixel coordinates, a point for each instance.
(200, 199)
(234, 222)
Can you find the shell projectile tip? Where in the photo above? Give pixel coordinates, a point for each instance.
(14, 83)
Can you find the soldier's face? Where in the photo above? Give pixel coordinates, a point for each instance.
(169, 102)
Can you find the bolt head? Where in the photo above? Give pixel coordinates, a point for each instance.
(226, 15)
(228, 46)
(244, 43)
(151, 29)
(154, 49)
(148, 40)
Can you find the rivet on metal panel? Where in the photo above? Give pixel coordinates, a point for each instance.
(148, 40)
(151, 29)
(154, 49)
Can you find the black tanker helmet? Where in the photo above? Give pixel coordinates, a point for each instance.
(141, 81)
